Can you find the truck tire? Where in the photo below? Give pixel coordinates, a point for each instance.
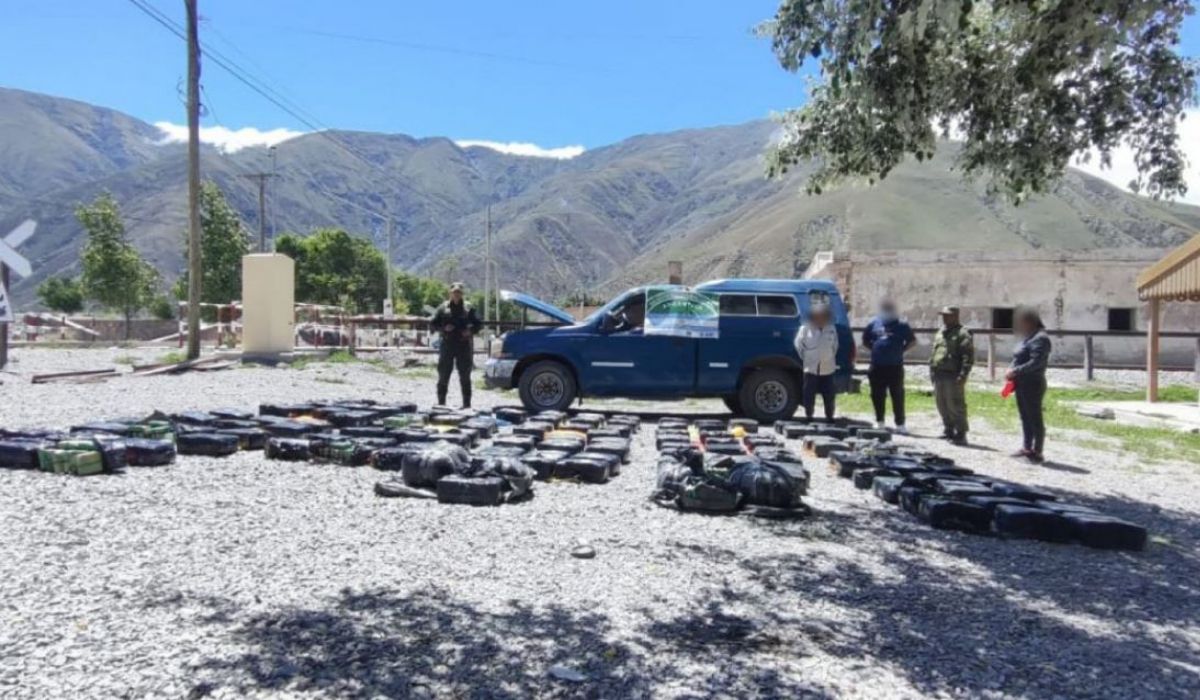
(547, 386)
(768, 395)
(731, 402)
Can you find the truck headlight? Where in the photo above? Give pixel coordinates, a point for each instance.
(498, 348)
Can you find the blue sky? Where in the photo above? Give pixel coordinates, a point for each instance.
(547, 74)
(552, 73)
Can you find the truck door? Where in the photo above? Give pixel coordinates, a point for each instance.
(621, 360)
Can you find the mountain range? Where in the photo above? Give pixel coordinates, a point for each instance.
(608, 218)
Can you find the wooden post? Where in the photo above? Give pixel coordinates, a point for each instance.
(991, 357)
(1152, 329)
(4, 326)
(193, 114)
(1196, 373)
(1089, 358)
(674, 272)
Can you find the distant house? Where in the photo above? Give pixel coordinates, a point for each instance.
(1073, 290)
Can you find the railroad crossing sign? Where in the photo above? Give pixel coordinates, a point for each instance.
(10, 258)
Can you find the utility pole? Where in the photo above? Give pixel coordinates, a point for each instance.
(391, 226)
(274, 173)
(261, 178)
(193, 114)
(487, 271)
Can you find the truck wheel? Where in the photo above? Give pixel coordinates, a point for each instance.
(768, 395)
(547, 386)
(731, 402)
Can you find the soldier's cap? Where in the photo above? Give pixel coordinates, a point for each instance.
(949, 311)
(457, 287)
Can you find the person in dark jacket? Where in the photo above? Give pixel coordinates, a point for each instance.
(1028, 374)
(455, 319)
(888, 338)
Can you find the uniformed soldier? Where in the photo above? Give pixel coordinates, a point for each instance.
(949, 366)
(455, 319)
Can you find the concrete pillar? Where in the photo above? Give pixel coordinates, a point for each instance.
(268, 304)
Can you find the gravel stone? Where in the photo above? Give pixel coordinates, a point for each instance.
(245, 578)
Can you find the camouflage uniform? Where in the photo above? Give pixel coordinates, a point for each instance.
(949, 365)
(457, 351)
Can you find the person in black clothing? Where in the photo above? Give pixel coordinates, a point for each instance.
(1028, 374)
(455, 319)
(888, 338)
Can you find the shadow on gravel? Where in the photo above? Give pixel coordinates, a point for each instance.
(1060, 467)
(380, 644)
(1019, 617)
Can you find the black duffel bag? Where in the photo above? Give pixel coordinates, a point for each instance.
(20, 453)
(423, 468)
(765, 484)
(289, 449)
(142, 452)
(206, 444)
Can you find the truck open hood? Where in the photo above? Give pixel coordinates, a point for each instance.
(537, 305)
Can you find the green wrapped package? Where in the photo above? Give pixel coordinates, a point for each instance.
(75, 462)
(78, 445)
(152, 430)
(403, 420)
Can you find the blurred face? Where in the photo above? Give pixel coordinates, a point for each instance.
(1025, 325)
(820, 318)
(456, 296)
(888, 310)
(950, 319)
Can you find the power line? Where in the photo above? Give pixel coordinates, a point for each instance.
(274, 97)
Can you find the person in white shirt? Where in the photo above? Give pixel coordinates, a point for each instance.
(817, 345)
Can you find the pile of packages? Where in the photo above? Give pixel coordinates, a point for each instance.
(456, 456)
(92, 449)
(488, 459)
(727, 466)
(946, 496)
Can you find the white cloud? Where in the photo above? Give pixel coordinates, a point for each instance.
(1123, 169)
(227, 140)
(531, 150)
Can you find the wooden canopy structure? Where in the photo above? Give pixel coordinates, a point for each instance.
(1174, 278)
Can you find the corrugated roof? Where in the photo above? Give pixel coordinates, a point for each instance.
(1174, 278)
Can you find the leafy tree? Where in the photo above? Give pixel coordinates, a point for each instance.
(1026, 86)
(333, 267)
(114, 274)
(414, 293)
(61, 294)
(162, 308)
(223, 242)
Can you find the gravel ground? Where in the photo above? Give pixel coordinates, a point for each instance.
(243, 578)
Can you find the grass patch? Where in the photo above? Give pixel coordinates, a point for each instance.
(1154, 444)
(125, 360)
(172, 358)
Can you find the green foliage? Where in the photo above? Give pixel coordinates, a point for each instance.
(1027, 86)
(114, 274)
(223, 242)
(414, 293)
(162, 308)
(61, 294)
(334, 267)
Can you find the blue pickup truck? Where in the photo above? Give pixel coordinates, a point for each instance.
(745, 354)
